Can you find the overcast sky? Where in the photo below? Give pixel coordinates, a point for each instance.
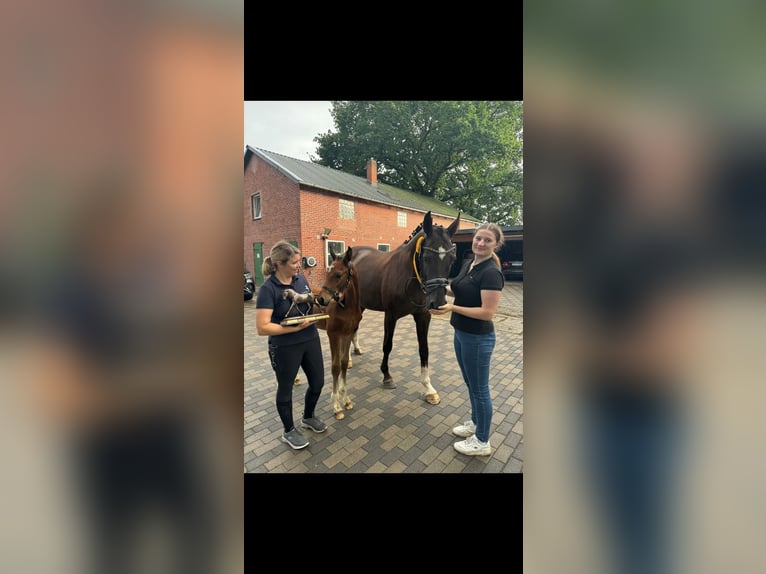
(285, 127)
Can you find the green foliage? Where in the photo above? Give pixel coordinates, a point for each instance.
(467, 154)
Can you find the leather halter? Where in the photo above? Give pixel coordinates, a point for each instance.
(336, 294)
(430, 284)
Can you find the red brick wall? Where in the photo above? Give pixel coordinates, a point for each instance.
(373, 223)
(279, 209)
(301, 215)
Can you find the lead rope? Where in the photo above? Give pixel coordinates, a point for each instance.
(415, 264)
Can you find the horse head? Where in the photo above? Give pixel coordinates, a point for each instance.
(338, 279)
(432, 259)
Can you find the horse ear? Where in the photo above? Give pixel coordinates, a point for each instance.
(428, 224)
(453, 226)
(347, 257)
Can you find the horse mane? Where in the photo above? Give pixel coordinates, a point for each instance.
(417, 230)
(413, 234)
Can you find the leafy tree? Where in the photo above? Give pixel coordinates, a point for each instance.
(467, 154)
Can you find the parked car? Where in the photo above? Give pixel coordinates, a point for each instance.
(513, 269)
(249, 285)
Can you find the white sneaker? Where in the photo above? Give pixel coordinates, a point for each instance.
(473, 446)
(465, 430)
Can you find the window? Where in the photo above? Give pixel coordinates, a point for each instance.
(346, 209)
(401, 218)
(255, 203)
(384, 247)
(338, 247)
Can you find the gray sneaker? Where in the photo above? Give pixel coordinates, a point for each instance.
(314, 424)
(295, 439)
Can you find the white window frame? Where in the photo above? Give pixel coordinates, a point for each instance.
(252, 205)
(345, 209)
(327, 251)
(401, 219)
(386, 245)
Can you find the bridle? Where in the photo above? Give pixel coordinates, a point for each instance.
(337, 293)
(429, 285)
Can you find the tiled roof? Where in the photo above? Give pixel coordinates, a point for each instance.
(321, 177)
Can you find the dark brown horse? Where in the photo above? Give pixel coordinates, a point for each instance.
(339, 298)
(408, 281)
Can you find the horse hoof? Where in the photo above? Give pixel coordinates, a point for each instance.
(357, 351)
(433, 399)
(390, 384)
(339, 416)
(350, 364)
(297, 381)
(348, 406)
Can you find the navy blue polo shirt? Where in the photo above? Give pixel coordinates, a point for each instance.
(270, 296)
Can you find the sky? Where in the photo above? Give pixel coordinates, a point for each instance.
(286, 127)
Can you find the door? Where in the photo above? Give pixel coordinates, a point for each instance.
(258, 263)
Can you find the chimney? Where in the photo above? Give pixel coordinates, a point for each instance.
(372, 172)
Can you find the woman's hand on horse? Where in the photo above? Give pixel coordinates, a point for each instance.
(446, 308)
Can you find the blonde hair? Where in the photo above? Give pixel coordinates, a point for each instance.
(499, 239)
(282, 252)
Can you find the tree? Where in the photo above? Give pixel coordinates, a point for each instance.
(467, 154)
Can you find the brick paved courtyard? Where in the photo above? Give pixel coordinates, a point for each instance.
(391, 430)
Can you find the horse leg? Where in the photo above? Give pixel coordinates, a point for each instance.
(335, 353)
(337, 409)
(388, 344)
(355, 341)
(422, 321)
(357, 348)
(344, 398)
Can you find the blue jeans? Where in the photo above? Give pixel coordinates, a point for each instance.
(474, 353)
(634, 451)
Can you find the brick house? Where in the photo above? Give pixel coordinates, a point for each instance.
(316, 207)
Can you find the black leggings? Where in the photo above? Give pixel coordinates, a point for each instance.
(286, 360)
(131, 471)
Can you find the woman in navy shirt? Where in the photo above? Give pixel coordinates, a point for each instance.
(290, 347)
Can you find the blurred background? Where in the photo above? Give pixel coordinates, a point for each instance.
(122, 361)
(645, 221)
(120, 353)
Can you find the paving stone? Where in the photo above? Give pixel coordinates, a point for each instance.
(391, 430)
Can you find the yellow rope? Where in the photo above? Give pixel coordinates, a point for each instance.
(414, 256)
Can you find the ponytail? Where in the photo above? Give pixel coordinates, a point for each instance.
(268, 267)
(496, 259)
